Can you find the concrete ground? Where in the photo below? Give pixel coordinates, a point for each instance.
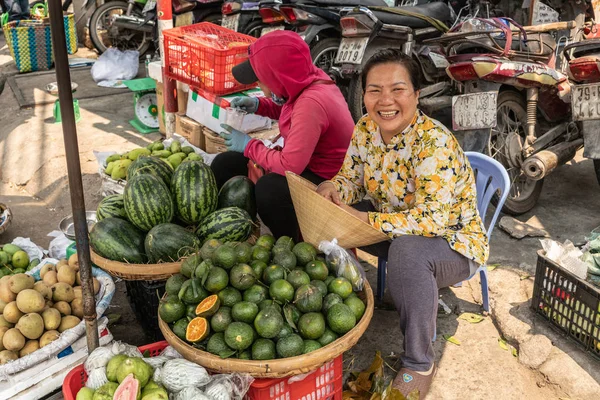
(545, 365)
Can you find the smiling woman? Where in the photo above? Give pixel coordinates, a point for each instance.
(422, 196)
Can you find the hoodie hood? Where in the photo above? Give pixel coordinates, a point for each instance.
(281, 60)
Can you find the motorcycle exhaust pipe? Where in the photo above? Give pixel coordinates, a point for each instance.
(541, 164)
(134, 23)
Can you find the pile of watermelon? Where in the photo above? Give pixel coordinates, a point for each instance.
(166, 214)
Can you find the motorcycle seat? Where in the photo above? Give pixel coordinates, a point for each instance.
(583, 48)
(537, 44)
(345, 3)
(437, 10)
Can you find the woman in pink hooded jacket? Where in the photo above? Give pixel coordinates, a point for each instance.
(314, 122)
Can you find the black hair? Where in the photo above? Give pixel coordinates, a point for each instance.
(393, 56)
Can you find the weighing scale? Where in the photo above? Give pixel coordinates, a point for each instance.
(145, 107)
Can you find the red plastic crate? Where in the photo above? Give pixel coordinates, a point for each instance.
(324, 383)
(203, 54)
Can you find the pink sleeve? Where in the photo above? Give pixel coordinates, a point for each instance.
(267, 108)
(308, 122)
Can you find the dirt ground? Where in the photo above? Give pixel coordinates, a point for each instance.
(34, 183)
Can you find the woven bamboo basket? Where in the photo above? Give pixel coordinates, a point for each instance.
(6, 223)
(136, 272)
(278, 368)
(319, 219)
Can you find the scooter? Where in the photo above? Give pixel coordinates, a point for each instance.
(242, 16)
(365, 31)
(514, 102)
(318, 23)
(271, 16)
(132, 25)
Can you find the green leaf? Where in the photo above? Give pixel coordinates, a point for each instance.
(515, 352)
(502, 343)
(289, 316)
(492, 267)
(146, 354)
(113, 318)
(226, 353)
(525, 276)
(471, 318)
(451, 339)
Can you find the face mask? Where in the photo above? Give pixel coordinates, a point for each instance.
(277, 100)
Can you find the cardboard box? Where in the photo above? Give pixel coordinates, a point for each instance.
(160, 103)
(191, 130)
(209, 110)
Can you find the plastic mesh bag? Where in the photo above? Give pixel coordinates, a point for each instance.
(343, 263)
(229, 386)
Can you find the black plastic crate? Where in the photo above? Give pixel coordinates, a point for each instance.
(568, 302)
(144, 298)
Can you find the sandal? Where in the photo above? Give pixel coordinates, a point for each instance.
(408, 381)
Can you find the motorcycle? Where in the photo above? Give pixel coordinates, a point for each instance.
(365, 31)
(318, 23)
(242, 16)
(583, 68)
(271, 16)
(514, 102)
(132, 25)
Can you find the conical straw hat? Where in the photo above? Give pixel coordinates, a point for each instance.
(320, 219)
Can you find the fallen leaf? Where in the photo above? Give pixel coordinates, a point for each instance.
(113, 318)
(369, 380)
(451, 339)
(515, 352)
(414, 395)
(502, 343)
(349, 395)
(492, 267)
(526, 276)
(470, 317)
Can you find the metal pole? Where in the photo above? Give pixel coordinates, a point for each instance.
(165, 21)
(65, 96)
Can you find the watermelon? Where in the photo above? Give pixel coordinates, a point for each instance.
(170, 242)
(151, 165)
(238, 192)
(195, 191)
(111, 206)
(148, 202)
(227, 224)
(118, 240)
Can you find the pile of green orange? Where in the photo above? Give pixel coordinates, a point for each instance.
(275, 299)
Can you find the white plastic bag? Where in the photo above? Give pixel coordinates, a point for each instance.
(114, 65)
(229, 386)
(58, 246)
(343, 263)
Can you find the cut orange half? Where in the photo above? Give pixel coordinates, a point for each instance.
(208, 307)
(197, 330)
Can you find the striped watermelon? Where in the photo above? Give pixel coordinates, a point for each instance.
(227, 224)
(195, 191)
(148, 202)
(151, 165)
(111, 206)
(118, 240)
(170, 242)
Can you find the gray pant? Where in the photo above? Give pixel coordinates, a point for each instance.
(417, 267)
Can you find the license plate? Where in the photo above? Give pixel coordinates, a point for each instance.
(474, 111)
(270, 29)
(231, 21)
(351, 50)
(585, 102)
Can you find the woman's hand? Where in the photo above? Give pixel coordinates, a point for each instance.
(363, 216)
(328, 190)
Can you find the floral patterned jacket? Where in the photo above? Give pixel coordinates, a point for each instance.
(420, 184)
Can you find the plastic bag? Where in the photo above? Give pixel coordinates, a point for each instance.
(343, 263)
(566, 255)
(229, 386)
(58, 246)
(114, 65)
(177, 374)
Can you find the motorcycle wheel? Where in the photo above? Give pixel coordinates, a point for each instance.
(505, 146)
(355, 98)
(104, 35)
(324, 52)
(254, 29)
(597, 169)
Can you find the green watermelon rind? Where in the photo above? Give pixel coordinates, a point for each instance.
(238, 192)
(194, 191)
(118, 240)
(154, 166)
(111, 206)
(148, 202)
(227, 224)
(169, 243)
